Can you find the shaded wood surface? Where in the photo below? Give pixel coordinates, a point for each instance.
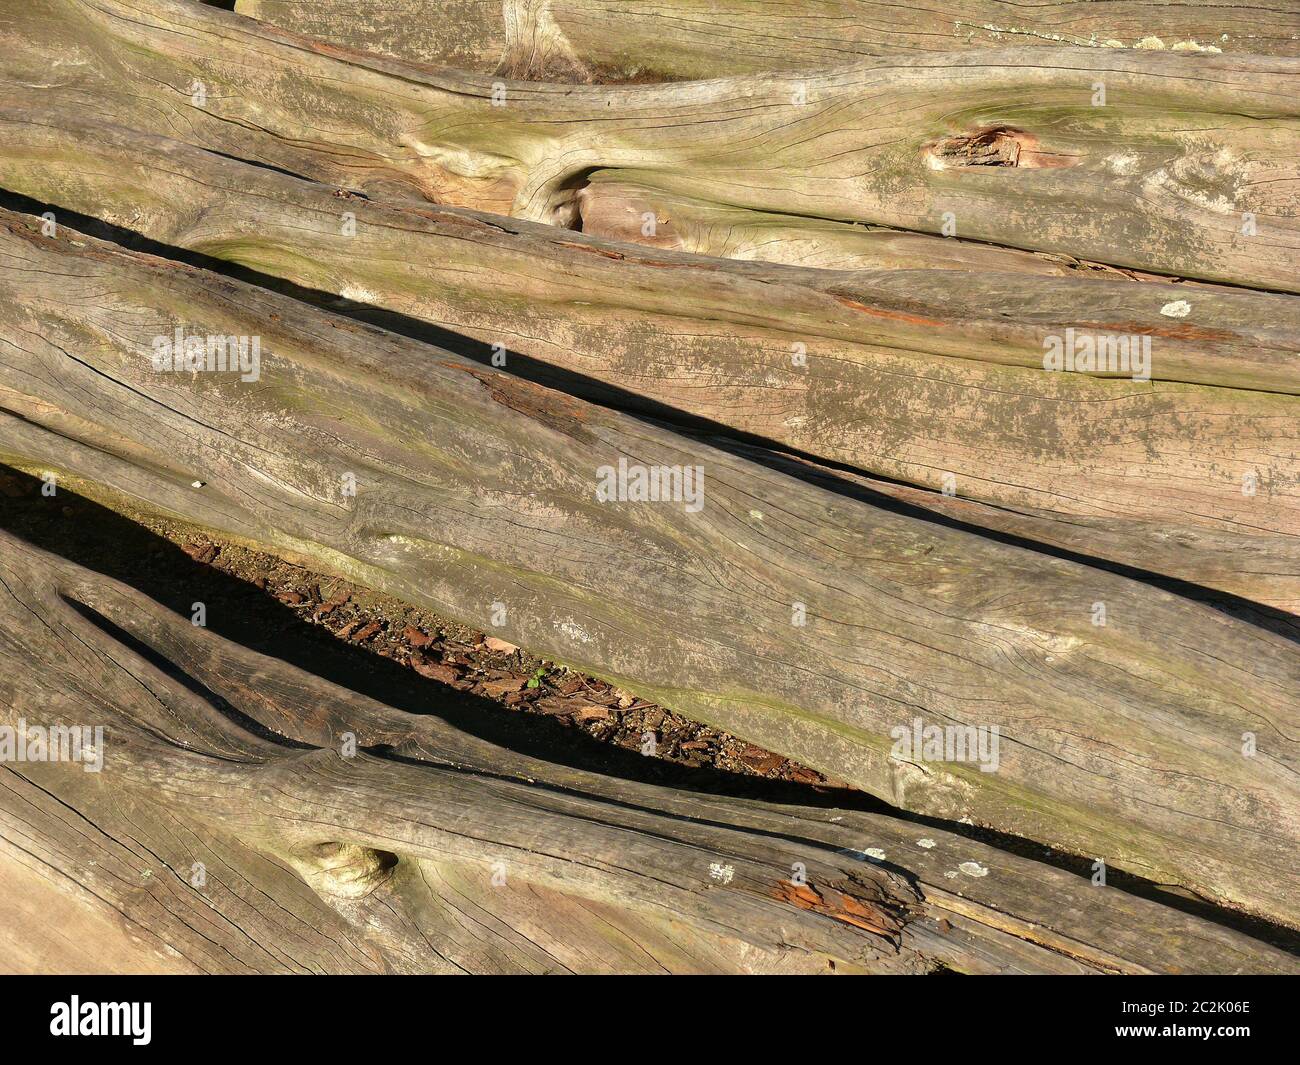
(217, 757)
(1008, 143)
(608, 39)
(1166, 468)
(1122, 741)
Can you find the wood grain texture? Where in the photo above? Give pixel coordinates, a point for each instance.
(609, 40)
(881, 390)
(616, 207)
(613, 204)
(1122, 741)
(1160, 178)
(217, 757)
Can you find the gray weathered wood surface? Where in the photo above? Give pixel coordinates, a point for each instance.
(1009, 144)
(481, 273)
(608, 39)
(1206, 478)
(1123, 741)
(225, 831)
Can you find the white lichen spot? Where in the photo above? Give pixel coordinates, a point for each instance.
(575, 632)
(999, 31)
(357, 293)
(723, 874)
(867, 854)
(1176, 309)
(1123, 164)
(1150, 43)
(951, 874)
(1194, 46)
(926, 843)
(757, 515)
(973, 869)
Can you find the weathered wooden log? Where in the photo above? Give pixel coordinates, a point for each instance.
(228, 826)
(607, 40)
(1149, 160)
(614, 205)
(1231, 338)
(1198, 484)
(808, 623)
(1091, 541)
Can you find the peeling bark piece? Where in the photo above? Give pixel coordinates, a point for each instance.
(416, 638)
(1121, 740)
(497, 688)
(608, 39)
(840, 907)
(1165, 173)
(435, 670)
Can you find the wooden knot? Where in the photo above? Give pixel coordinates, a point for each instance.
(343, 870)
